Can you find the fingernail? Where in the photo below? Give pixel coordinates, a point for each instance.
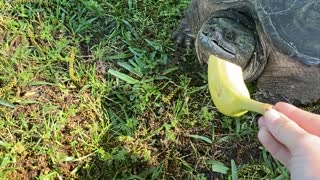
(271, 115)
(261, 122)
(262, 134)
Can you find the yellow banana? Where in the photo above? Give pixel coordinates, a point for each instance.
(228, 90)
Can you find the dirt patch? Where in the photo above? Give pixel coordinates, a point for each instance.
(31, 166)
(59, 144)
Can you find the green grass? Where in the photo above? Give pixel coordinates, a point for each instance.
(95, 89)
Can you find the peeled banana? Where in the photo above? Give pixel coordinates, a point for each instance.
(228, 90)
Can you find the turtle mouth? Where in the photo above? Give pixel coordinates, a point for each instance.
(218, 47)
(228, 48)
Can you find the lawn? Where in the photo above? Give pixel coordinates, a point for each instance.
(95, 89)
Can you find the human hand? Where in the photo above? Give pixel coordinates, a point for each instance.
(292, 136)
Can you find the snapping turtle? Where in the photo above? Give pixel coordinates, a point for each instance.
(277, 43)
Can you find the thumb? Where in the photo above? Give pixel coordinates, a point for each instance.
(286, 131)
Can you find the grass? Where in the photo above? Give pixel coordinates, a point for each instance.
(95, 89)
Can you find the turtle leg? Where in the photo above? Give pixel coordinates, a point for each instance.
(183, 35)
(272, 98)
(195, 15)
(266, 97)
(285, 79)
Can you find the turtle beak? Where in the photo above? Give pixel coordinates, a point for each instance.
(214, 43)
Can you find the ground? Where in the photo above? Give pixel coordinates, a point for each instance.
(95, 89)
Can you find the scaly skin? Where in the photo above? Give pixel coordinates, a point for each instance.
(228, 90)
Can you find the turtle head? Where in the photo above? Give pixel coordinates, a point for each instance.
(230, 36)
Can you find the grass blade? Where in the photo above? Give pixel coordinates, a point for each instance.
(167, 71)
(40, 83)
(7, 104)
(234, 172)
(203, 138)
(5, 144)
(119, 56)
(218, 167)
(130, 68)
(124, 77)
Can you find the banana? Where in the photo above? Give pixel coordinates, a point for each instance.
(228, 90)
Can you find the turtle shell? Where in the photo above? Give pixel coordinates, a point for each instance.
(293, 26)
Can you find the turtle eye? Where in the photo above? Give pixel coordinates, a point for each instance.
(230, 35)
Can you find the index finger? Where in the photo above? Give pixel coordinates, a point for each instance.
(286, 131)
(306, 120)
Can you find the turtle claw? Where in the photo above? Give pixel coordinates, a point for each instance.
(182, 35)
(188, 42)
(178, 37)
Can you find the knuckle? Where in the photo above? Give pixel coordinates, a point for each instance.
(283, 126)
(287, 125)
(305, 141)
